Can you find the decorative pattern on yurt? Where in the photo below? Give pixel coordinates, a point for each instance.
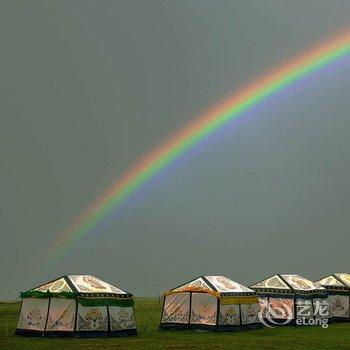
(338, 286)
(76, 305)
(286, 298)
(210, 302)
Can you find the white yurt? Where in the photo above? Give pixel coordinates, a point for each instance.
(338, 286)
(290, 299)
(213, 303)
(76, 306)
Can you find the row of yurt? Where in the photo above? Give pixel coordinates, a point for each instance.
(85, 306)
(76, 305)
(338, 286)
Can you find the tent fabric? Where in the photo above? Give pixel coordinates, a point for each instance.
(203, 309)
(176, 308)
(41, 294)
(92, 284)
(264, 306)
(106, 301)
(344, 277)
(287, 282)
(83, 284)
(210, 302)
(121, 318)
(229, 315)
(339, 306)
(61, 315)
(217, 285)
(335, 280)
(199, 284)
(92, 318)
(76, 305)
(338, 286)
(272, 282)
(33, 314)
(224, 285)
(329, 281)
(239, 300)
(56, 286)
(250, 313)
(299, 283)
(86, 301)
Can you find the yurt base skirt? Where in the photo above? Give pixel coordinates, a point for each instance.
(209, 328)
(80, 334)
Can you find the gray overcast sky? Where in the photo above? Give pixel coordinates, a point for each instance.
(88, 87)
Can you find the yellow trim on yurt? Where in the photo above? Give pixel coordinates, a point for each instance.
(249, 299)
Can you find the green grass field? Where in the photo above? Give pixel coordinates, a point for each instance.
(337, 336)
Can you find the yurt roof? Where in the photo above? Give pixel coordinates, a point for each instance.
(81, 285)
(287, 283)
(336, 280)
(214, 285)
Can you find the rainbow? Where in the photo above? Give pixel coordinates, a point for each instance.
(192, 134)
